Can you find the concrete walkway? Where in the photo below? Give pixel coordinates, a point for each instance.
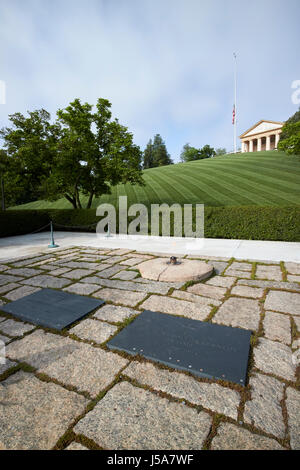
(24, 245)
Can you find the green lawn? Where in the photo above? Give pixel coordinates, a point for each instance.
(260, 178)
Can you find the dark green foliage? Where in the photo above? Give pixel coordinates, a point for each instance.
(221, 151)
(292, 120)
(148, 156)
(291, 142)
(22, 222)
(156, 154)
(244, 222)
(189, 154)
(290, 135)
(83, 154)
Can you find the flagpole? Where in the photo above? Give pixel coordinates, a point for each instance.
(234, 124)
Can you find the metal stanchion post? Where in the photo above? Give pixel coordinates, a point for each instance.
(52, 244)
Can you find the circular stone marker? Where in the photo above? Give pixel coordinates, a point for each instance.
(160, 269)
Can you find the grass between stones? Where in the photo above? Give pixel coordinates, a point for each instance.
(245, 394)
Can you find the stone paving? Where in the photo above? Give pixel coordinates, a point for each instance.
(66, 390)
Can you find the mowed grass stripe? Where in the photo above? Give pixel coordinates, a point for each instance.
(209, 193)
(264, 178)
(171, 188)
(227, 190)
(279, 176)
(255, 191)
(265, 184)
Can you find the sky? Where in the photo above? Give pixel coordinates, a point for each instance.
(166, 66)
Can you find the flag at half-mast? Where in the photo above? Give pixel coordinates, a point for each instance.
(233, 114)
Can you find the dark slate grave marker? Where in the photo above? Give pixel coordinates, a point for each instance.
(52, 308)
(204, 349)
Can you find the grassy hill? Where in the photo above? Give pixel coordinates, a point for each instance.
(260, 178)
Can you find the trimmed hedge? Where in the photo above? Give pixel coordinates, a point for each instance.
(244, 222)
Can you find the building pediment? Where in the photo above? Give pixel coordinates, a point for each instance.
(262, 126)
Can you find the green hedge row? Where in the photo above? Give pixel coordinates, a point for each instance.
(244, 222)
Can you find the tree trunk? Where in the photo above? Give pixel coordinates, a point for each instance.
(72, 200)
(77, 197)
(2, 195)
(90, 200)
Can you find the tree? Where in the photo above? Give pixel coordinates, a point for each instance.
(189, 153)
(292, 120)
(290, 135)
(148, 156)
(160, 153)
(220, 151)
(93, 153)
(81, 153)
(30, 146)
(207, 152)
(291, 142)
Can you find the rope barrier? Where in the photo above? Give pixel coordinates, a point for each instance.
(74, 226)
(38, 230)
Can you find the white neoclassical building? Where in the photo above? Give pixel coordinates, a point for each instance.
(264, 135)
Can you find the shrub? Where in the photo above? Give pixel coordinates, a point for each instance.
(244, 222)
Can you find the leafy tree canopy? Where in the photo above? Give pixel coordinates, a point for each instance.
(221, 151)
(189, 153)
(156, 154)
(83, 152)
(290, 135)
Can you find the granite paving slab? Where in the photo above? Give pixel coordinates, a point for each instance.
(264, 409)
(24, 272)
(277, 327)
(4, 339)
(153, 287)
(245, 291)
(269, 272)
(207, 291)
(293, 410)
(82, 288)
(287, 302)
(239, 312)
(293, 278)
(231, 437)
(21, 292)
(78, 273)
(8, 287)
(274, 358)
(125, 275)
(269, 284)
(45, 280)
(241, 266)
(15, 328)
(132, 418)
(114, 313)
(68, 361)
(93, 330)
(88, 369)
(185, 308)
(119, 296)
(238, 273)
(221, 281)
(214, 397)
(54, 410)
(8, 278)
(292, 268)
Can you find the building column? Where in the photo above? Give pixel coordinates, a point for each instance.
(251, 146)
(243, 147)
(277, 137)
(259, 144)
(268, 142)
